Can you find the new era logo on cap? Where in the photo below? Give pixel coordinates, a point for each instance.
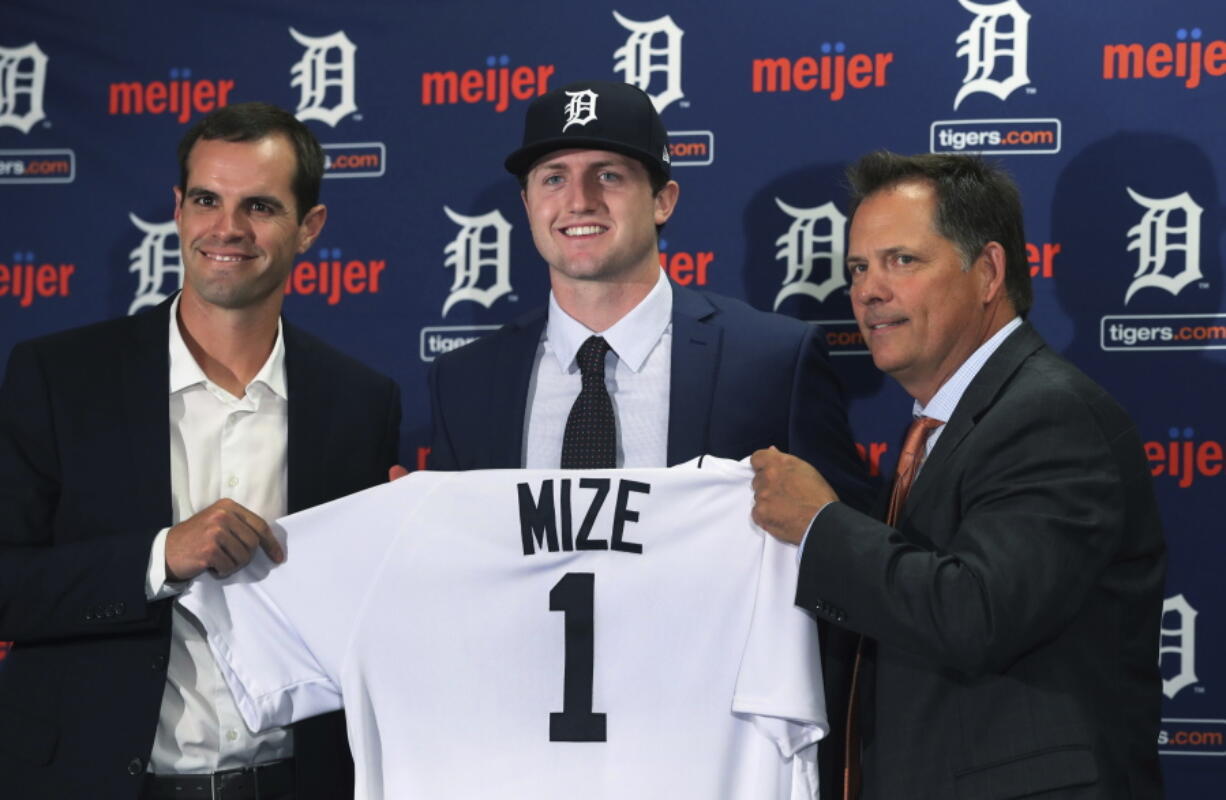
(627, 123)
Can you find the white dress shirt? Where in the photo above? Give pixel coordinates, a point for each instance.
(945, 401)
(220, 446)
(641, 357)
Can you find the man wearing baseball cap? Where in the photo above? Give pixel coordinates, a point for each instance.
(623, 368)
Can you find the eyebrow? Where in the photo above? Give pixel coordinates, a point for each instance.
(562, 166)
(268, 200)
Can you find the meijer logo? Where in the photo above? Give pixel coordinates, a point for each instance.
(179, 96)
(833, 72)
(482, 248)
(994, 45)
(1183, 458)
(157, 262)
(498, 84)
(1188, 58)
(25, 279)
(333, 277)
(651, 58)
(1169, 225)
(326, 71)
(804, 245)
(23, 78)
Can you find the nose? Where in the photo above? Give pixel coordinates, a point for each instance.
(584, 195)
(869, 287)
(230, 224)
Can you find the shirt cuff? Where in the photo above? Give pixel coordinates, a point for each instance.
(156, 585)
(800, 551)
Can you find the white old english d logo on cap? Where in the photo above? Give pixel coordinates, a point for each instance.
(581, 109)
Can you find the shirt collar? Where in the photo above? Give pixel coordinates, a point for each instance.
(943, 403)
(185, 372)
(632, 337)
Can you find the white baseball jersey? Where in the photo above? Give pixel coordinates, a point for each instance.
(536, 634)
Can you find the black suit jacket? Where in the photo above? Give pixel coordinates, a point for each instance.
(1016, 608)
(84, 488)
(741, 380)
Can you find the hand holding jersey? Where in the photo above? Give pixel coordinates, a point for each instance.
(221, 538)
(620, 633)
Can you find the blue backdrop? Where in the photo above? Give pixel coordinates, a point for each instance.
(1109, 114)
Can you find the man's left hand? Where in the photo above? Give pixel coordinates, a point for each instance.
(787, 493)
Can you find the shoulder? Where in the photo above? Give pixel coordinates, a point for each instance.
(305, 351)
(521, 333)
(738, 317)
(1047, 384)
(89, 353)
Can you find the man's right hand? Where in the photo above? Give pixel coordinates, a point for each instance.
(222, 538)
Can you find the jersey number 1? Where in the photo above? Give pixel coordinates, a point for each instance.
(573, 596)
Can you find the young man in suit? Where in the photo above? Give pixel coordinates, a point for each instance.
(1011, 609)
(677, 372)
(137, 453)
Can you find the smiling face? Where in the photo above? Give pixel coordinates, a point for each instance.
(920, 312)
(593, 216)
(238, 222)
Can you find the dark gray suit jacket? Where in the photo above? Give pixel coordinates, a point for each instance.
(1016, 608)
(84, 488)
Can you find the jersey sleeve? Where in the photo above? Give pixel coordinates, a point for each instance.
(779, 684)
(280, 633)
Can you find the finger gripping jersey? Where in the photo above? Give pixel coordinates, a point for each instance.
(536, 634)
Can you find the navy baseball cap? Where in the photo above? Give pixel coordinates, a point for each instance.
(593, 115)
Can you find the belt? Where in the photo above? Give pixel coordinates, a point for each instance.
(260, 782)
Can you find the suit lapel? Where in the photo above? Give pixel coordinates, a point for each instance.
(310, 425)
(145, 378)
(513, 369)
(976, 400)
(697, 341)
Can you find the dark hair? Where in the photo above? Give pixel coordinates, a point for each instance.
(977, 203)
(249, 122)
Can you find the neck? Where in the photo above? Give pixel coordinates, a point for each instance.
(992, 323)
(599, 305)
(230, 345)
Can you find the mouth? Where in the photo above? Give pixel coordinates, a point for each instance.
(879, 327)
(225, 258)
(577, 231)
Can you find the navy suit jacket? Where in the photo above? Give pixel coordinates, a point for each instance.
(84, 488)
(1015, 610)
(742, 379)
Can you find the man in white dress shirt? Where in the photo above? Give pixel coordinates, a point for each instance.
(138, 453)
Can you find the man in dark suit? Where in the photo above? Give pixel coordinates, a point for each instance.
(686, 372)
(1011, 612)
(137, 453)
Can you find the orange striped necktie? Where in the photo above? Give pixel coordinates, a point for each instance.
(909, 459)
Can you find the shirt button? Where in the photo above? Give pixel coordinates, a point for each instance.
(136, 766)
(231, 735)
(233, 480)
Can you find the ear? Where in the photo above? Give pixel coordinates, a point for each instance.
(178, 204)
(312, 224)
(991, 267)
(666, 201)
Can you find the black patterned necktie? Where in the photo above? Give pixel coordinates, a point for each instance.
(590, 441)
